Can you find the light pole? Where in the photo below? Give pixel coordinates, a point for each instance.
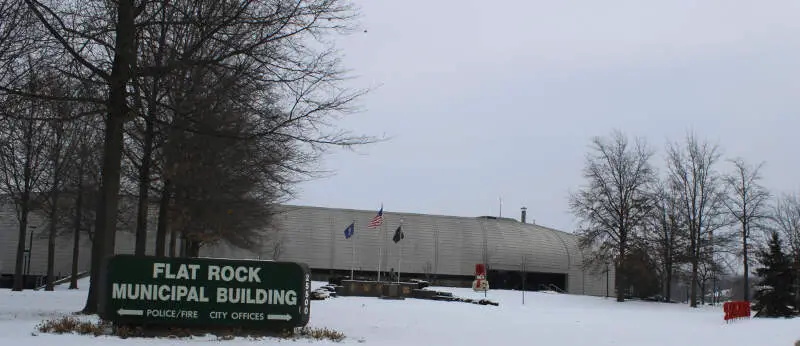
(524, 276)
(30, 251)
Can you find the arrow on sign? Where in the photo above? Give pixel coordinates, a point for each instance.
(123, 312)
(284, 317)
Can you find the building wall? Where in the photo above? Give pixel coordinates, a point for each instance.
(38, 227)
(440, 245)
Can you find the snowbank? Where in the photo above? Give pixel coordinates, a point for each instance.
(545, 319)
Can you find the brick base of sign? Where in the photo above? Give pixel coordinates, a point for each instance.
(376, 288)
(402, 290)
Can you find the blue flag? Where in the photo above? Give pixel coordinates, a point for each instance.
(348, 232)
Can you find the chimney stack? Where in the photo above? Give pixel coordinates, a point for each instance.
(524, 212)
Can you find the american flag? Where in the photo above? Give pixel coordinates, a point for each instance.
(376, 221)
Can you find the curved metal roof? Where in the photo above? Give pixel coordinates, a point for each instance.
(451, 245)
(435, 244)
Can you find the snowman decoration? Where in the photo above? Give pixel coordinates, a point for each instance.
(480, 284)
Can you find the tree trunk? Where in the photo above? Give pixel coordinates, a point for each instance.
(106, 222)
(668, 295)
(173, 240)
(194, 250)
(97, 257)
(76, 246)
(621, 277)
(694, 284)
(695, 259)
(163, 217)
(24, 209)
(76, 242)
(19, 283)
(746, 266)
(144, 189)
(51, 238)
(796, 279)
(703, 292)
(667, 269)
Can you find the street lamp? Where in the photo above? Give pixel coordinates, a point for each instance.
(29, 251)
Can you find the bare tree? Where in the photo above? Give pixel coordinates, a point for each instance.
(786, 219)
(79, 219)
(786, 222)
(717, 250)
(163, 217)
(149, 93)
(616, 200)
(247, 178)
(58, 154)
(709, 269)
(9, 10)
(15, 33)
(664, 234)
(747, 203)
(23, 160)
(93, 42)
(100, 42)
(278, 242)
(81, 186)
(700, 195)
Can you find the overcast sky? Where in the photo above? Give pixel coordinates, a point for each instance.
(488, 99)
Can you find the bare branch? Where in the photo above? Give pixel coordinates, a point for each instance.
(616, 201)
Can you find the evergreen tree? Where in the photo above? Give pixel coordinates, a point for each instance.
(774, 296)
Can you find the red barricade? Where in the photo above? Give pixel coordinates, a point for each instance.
(736, 310)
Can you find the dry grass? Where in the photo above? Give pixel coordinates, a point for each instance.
(69, 324)
(316, 333)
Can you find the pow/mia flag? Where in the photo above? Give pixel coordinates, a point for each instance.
(398, 234)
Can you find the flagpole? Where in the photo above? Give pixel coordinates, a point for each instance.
(380, 249)
(400, 260)
(380, 257)
(380, 241)
(385, 242)
(353, 261)
(399, 263)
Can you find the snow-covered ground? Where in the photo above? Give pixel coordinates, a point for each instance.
(545, 319)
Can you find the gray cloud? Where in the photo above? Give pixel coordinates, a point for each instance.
(486, 100)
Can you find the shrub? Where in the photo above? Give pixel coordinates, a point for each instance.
(315, 333)
(69, 324)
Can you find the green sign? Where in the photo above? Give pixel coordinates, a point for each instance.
(207, 292)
